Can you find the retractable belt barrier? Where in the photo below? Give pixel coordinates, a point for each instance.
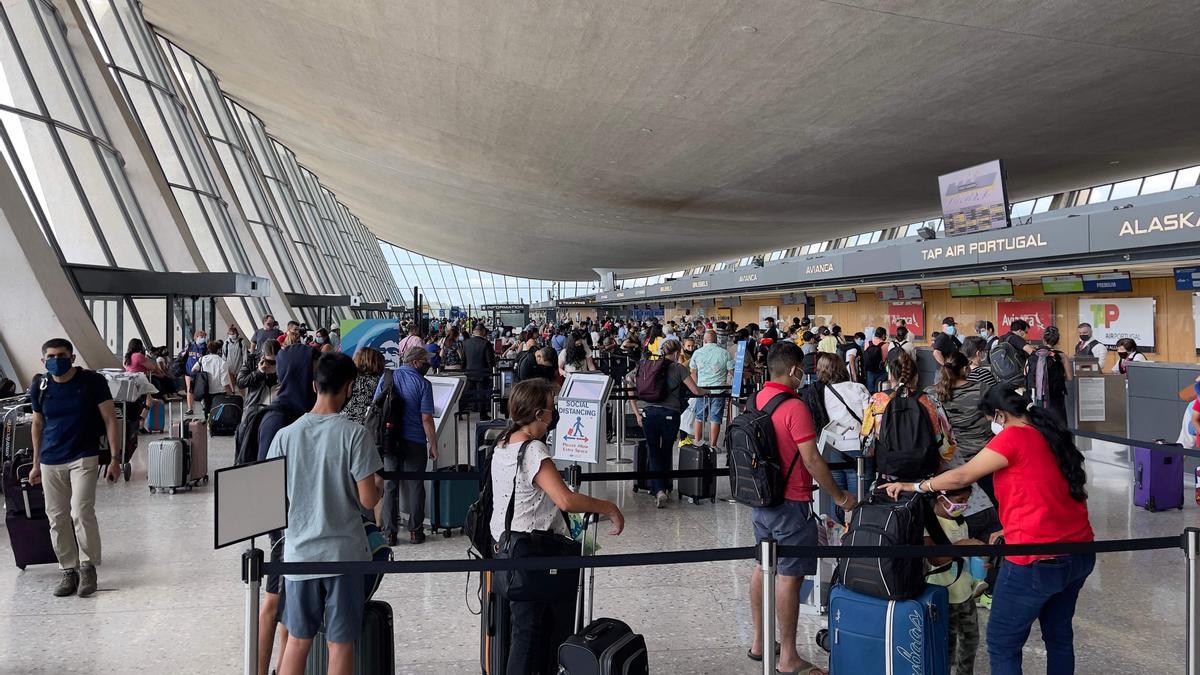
(718, 555)
(1164, 447)
(584, 477)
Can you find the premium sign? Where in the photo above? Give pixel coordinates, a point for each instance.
(1037, 313)
(1116, 318)
(913, 315)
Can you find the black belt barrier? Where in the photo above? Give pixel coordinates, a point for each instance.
(1164, 447)
(718, 555)
(437, 476)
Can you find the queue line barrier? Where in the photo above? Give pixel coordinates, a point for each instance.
(1165, 447)
(766, 553)
(436, 476)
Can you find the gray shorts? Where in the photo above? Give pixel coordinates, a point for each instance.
(335, 602)
(789, 524)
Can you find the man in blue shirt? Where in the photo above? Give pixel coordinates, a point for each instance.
(419, 442)
(331, 478)
(72, 410)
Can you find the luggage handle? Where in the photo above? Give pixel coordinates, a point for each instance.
(583, 610)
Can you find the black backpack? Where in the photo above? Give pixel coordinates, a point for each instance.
(1008, 363)
(478, 523)
(844, 348)
(385, 417)
(809, 362)
(813, 396)
(246, 438)
(906, 446)
(756, 474)
(872, 359)
(883, 521)
(892, 355)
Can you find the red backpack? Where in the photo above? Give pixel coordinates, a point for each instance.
(651, 380)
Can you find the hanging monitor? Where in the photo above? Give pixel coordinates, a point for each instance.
(1064, 283)
(974, 199)
(841, 296)
(893, 293)
(1108, 282)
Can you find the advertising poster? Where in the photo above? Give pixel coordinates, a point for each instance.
(1115, 318)
(913, 315)
(577, 436)
(382, 334)
(1037, 313)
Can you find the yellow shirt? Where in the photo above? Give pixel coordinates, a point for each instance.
(960, 590)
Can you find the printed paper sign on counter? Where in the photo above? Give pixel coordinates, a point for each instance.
(1116, 318)
(1037, 313)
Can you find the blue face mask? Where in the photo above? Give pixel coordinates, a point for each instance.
(59, 365)
(859, 343)
(950, 330)
(983, 334)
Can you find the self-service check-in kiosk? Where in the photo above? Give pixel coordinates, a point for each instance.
(446, 393)
(580, 434)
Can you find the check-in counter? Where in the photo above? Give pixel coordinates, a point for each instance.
(1155, 406)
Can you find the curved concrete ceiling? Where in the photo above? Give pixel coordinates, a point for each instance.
(548, 138)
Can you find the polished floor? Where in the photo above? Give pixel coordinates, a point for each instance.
(171, 604)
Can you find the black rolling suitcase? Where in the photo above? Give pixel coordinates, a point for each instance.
(375, 650)
(24, 503)
(487, 434)
(495, 629)
(602, 646)
(641, 462)
(633, 430)
(694, 457)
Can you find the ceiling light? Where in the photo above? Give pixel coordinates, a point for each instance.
(926, 233)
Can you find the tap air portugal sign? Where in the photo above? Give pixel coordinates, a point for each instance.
(1116, 318)
(1037, 313)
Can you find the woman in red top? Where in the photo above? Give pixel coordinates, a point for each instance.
(1041, 490)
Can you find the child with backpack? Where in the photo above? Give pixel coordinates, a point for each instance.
(905, 432)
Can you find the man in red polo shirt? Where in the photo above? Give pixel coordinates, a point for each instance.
(791, 523)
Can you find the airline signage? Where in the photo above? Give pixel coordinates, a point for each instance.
(911, 313)
(1037, 313)
(1160, 224)
(1116, 318)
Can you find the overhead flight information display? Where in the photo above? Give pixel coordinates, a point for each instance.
(891, 293)
(974, 199)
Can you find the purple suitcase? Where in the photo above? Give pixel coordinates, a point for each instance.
(1157, 479)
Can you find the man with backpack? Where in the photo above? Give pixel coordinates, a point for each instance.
(873, 362)
(72, 410)
(1010, 354)
(790, 523)
(403, 409)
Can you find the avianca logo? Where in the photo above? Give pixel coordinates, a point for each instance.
(821, 268)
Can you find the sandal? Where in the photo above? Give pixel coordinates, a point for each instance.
(758, 657)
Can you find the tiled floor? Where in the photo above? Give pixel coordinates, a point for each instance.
(172, 604)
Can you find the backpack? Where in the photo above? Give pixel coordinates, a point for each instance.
(906, 446)
(843, 349)
(813, 396)
(1007, 363)
(245, 440)
(756, 475)
(8, 388)
(809, 362)
(651, 382)
(478, 522)
(872, 359)
(385, 417)
(1046, 378)
(882, 521)
(200, 384)
(893, 354)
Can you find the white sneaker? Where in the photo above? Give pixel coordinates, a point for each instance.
(661, 499)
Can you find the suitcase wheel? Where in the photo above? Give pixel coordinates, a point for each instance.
(152, 490)
(126, 470)
(447, 533)
(205, 479)
(21, 567)
(170, 491)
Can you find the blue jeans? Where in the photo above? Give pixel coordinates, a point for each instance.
(1046, 592)
(846, 479)
(873, 380)
(661, 426)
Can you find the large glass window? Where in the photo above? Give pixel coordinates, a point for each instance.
(54, 141)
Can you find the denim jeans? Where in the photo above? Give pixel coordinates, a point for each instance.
(873, 380)
(661, 426)
(1046, 592)
(846, 479)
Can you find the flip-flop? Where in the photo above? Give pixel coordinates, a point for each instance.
(758, 657)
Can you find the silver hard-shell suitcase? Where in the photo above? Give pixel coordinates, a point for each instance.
(167, 461)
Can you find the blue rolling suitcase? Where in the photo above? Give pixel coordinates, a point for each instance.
(447, 501)
(870, 635)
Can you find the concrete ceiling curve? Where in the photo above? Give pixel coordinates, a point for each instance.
(549, 138)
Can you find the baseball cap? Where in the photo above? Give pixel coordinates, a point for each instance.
(948, 321)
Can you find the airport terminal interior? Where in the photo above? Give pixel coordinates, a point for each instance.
(210, 207)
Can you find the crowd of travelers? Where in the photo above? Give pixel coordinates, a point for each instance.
(1004, 467)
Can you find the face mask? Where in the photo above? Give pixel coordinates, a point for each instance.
(59, 365)
(950, 330)
(553, 421)
(953, 509)
(320, 340)
(423, 369)
(201, 338)
(859, 343)
(1122, 355)
(1084, 337)
(983, 334)
(996, 427)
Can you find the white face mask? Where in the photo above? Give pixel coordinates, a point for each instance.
(996, 427)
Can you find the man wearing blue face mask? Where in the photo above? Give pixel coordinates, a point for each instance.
(72, 409)
(946, 343)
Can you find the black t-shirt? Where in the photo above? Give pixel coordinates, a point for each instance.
(1016, 341)
(946, 344)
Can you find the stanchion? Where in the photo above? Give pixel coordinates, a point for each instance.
(767, 561)
(1191, 548)
(619, 420)
(860, 467)
(252, 560)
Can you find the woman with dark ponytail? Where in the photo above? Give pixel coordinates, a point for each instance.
(1041, 490)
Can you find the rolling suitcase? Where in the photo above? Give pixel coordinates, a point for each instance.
(196, 434)
(1157, 479)
(693, 457)
(495, 629)
(447, 501)
(375, 650)
(633, 430)
(156, 417)
(225, 414)
(602, 646)
(25, 515)
(641, 462)
(487, 434)
(167, 465)
(871, 635)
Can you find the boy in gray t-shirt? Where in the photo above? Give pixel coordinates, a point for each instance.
(330, 468)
